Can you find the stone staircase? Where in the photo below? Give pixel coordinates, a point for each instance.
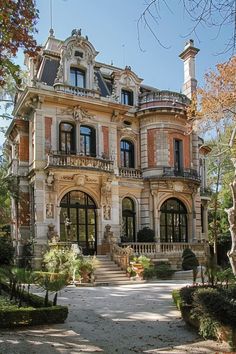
(108, 273)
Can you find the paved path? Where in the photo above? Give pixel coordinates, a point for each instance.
(122, 319)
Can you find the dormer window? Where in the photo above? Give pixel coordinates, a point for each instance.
(127, 97)
(77, 77)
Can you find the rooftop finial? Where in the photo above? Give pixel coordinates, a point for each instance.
(51, 31)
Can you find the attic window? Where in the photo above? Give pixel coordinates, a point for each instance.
(79, 54)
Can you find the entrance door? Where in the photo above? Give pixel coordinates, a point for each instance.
(78, 221)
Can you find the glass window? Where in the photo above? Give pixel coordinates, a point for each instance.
(67, 138)
(126, 154)
(77, 77)
(78, 220)
(128, 220)
(173, 221)
(127, 97)
(178, 155)
(87, 141)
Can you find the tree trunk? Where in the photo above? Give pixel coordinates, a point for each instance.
(232, 226)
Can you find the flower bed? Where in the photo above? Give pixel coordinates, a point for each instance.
(212, 310)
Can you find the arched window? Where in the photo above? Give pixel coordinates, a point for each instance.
(173, 222)
(78, 220)
(77, 77)
(67, 138)
(87, 140)
(126, 154)
(128, 220)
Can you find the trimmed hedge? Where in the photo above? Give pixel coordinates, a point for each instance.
(32, 317)
(212, 310)
(38, 315)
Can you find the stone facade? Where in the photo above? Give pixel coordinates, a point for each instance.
(84, 126)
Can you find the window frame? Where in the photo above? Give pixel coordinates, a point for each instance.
(72, 150)
(127, 215)
(178, 155)
(92, 141)
(127, 159)
(78, 73)
(127, 97)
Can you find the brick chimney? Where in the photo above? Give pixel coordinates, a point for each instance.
(188, 56)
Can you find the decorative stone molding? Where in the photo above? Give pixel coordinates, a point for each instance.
(50, 179)
(49, 211)
(106, 198)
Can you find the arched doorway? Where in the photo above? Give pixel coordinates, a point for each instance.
(128, 220)
(78, 221)
(173, 221)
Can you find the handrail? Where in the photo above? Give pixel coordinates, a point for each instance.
(130, 172)
(121, 255)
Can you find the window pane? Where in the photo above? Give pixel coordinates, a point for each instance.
(82, 216)
(127, 204)
(91, 217)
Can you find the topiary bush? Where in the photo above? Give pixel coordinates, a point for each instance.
(190, 261)
(146, 235)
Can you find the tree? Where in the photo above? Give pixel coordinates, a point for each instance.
(17, 21)
(218, 106)
(220, 172)
(216, 14)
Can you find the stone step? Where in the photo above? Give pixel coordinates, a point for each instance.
(120, 272)
(107, 272)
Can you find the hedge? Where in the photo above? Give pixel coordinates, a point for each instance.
(32, 317)
(38, 315)
(210, 309)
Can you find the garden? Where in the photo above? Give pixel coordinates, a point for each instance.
(18, 305)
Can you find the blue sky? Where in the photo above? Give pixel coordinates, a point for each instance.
(111, 26)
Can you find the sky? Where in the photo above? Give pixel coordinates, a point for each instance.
(111, 26)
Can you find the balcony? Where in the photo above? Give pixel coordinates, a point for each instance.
(57, 159)
(77, 91)
(130, 172)
(163, 99)
(164, 172)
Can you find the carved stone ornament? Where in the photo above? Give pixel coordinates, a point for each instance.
(59, 77)
(128, 132)
(106, 212)
(49, 211)
(53, 236)
(50, 179)
(178, 187)
(79, 180)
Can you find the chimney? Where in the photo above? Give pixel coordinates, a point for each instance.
(188, 56)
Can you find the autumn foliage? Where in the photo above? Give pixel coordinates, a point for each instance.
(17, 27)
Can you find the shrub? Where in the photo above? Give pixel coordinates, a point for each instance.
(60, 260)
(149, 273)
(163, 271)
(177, 298)
(6, 251)
(146, 235)
(190, 261)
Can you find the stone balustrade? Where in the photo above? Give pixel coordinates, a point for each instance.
(153, 249)
(130, 172)
(165, 99)
(79, 161)
(78, 91)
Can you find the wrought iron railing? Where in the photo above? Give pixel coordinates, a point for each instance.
(163, 172)
(79, 161)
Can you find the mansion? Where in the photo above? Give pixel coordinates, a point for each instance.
(91, 145)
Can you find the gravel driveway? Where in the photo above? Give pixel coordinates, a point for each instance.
(138, 318)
